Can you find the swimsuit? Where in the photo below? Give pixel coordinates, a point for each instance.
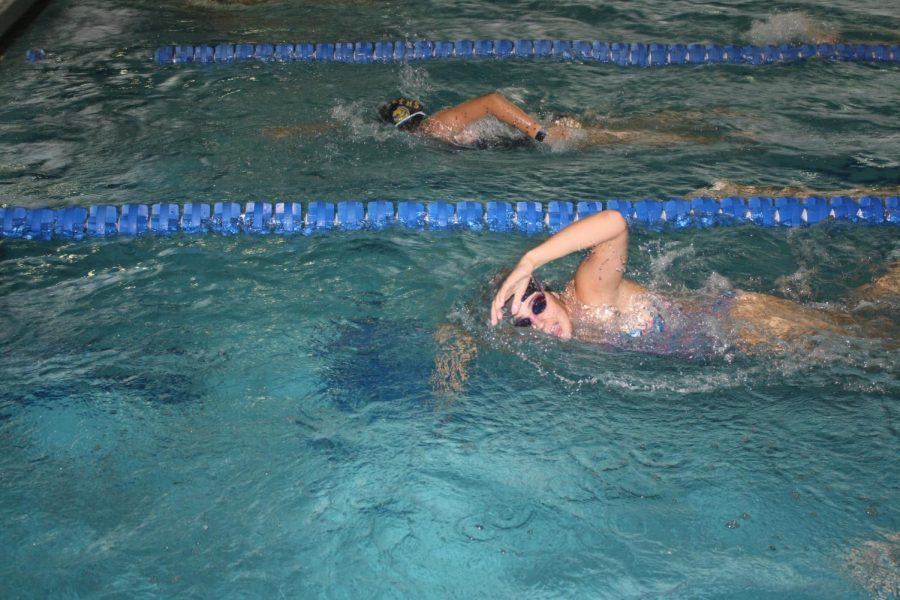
(655, 324)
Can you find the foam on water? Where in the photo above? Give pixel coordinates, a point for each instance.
(791, 27)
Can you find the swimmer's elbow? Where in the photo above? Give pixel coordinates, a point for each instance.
(495, 100)
(614, 221)
(602, 227)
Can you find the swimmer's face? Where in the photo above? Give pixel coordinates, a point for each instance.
(553, 319)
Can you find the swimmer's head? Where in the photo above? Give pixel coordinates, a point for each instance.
(567, 121)
(403, 113)
(547, 313)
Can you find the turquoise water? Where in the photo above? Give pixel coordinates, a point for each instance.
(258, 416)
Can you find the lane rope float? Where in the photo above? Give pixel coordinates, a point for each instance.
(618, 53)
(530, 217)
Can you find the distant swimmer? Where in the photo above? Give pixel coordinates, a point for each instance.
(792, 27)
(462, 125)
(723, 188)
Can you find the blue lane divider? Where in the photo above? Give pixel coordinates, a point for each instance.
(226, 217)
(559, 214)
(470, 215)
(762, 210)
(625, 54)
(500, 216)
(439, 214)
(195, 217)
(261, 217)
(529, 216)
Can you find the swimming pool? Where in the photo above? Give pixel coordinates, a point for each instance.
(258, 416)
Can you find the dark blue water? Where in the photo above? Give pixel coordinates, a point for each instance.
(264, 416)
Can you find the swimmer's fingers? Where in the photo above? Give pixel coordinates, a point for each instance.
(513, 287)
(497, 310)
(499, 301)
(506, 292)
(521, 309)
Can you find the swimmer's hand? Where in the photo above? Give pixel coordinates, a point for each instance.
(513, 287)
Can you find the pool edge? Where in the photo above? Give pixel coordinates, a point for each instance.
(14, 14)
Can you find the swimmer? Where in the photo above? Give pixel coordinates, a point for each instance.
(722, 188)
(600, 305)
(458, 125)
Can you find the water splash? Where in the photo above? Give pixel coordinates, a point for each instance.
(415, 81)
(789, 27)
(359, 118)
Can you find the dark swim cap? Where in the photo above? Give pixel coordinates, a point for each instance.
(403, 113)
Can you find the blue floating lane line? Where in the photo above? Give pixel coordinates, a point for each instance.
(195, 217)
(381, 214)
(440, 214)
(789, 211)
(816, 209)
(351, 214)
(762, 210)
(257, 217)
(470, 215)
(70, 222)
(134, 219)
(527, 216)
(844, 208)
(559, 214)
(500, 216)
(705, 209)
(164, 218)
(320, 215)
(288, 218)
(411, 214)
(648, 212)
(734, 209)
(625, 54)
(892, 209)
(677, 211)
(226, 217)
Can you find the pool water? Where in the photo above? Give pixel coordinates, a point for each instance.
(329, 416)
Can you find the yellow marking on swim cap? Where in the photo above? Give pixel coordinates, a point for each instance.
(400, 113)
(413, 104)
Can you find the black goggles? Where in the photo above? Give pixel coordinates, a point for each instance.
(538, 303)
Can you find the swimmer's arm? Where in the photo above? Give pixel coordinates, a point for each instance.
(599, 275)
(451, 121)
(457, 349)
